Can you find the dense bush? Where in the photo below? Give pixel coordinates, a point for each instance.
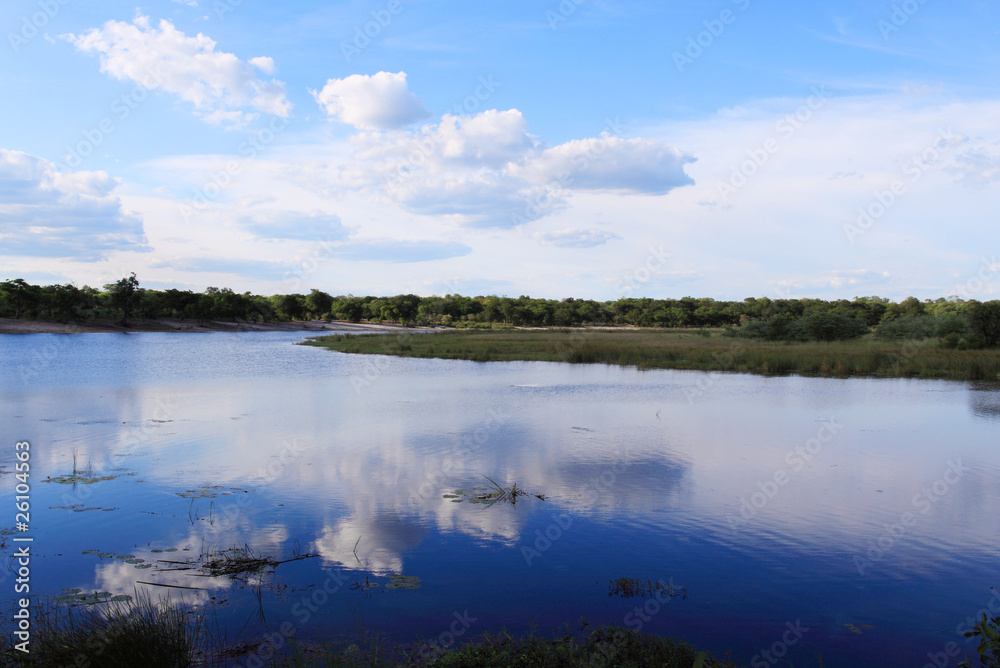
(959, 324)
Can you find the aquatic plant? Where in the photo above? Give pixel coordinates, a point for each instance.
(237, 562)
(490, 495)
(632, 587)
(989, 647)
(114, 632)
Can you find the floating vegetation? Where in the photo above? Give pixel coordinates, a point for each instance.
(78, 597)
(106, 555)
(78, 479)
(367, 584)
(400, 581)
(856, 629)
(83, 510)
(91, 552)
(490, 495)
(236, 562)
(209, 492)
(632, 587)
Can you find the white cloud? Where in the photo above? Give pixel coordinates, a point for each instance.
(488, 171)
(977, 167)
(45, 213)
(219, 85)
(573, 238)
(382, 101)
(613, 163)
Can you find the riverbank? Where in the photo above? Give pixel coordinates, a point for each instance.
(700, 350)
(21, 326)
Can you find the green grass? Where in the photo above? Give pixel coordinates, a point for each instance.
(683, 349)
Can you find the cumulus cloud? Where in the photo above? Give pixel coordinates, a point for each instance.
(45, 213)
(613, 163)
(487, 170)
(382, 101)
(573, 238)
(219, 85)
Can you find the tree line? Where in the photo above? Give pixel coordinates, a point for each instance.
(958, 323)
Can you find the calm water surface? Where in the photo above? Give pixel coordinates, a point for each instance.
(864, 513)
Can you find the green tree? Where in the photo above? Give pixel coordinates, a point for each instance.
(123, 295)
(21, 296)
(318, 303)
(985, 321)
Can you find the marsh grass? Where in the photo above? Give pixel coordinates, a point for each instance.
(115, 634)
(240, 562)
(491, 495)
(688, 349)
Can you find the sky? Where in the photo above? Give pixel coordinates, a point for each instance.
(573, 148)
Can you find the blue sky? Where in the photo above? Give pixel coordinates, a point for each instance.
(579, 148)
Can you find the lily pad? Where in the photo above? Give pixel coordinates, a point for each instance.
(144, 565)
(107, 555)
(91, 552)
(400, 581)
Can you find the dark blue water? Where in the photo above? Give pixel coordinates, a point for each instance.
(852, 520)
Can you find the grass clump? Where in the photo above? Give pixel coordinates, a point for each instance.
(602, 646)
(113, 634)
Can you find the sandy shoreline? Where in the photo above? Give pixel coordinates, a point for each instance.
(12, 326)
